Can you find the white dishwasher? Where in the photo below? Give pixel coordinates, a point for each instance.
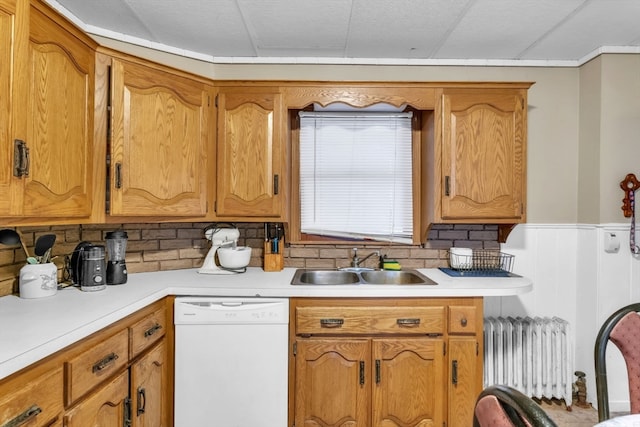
(231, 362)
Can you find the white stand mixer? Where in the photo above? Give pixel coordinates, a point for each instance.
(219, 237)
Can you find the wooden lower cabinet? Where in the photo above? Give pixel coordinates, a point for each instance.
(407, 382)
(333, 381)
(465, 383)
(149, 389)
(107, 407)
(117, 377)
(33, 399)
(349, 369)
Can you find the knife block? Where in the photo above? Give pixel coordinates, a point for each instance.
(273, 261)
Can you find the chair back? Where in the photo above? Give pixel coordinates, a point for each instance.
(503, 406)
(622, 328)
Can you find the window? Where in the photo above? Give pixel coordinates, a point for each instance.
(355, 175)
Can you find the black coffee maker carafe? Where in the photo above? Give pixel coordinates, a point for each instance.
(116, 242)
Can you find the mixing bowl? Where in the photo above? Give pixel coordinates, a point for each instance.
(237, 257)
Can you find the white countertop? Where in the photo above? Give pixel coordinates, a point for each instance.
(35, 328)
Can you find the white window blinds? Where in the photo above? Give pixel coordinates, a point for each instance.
(356, 175)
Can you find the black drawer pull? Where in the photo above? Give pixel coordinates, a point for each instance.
(152, 330)
(102, 364)
(409, 323)
(463, 321)
(21, 419)
(331, 323)
(454, 372)
(142, 401)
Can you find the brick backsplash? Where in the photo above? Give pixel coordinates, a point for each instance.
(172, 246)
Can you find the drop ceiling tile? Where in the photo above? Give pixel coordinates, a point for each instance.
(213, 27)
(503, 29)
(114, 15)
(405, 29)
(599, 23)
(300, 28)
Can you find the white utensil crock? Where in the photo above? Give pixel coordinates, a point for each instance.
(38, 280)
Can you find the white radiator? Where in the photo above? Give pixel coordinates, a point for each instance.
(532, 355)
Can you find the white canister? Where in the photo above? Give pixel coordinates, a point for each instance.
(38, 280)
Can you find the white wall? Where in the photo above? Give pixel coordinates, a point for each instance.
(575, 279)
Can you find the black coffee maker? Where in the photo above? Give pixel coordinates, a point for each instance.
(88, 267)
(116, 242)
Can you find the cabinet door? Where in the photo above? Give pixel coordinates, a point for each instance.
(158, 143)
(32, 399)
(60, 121)
(107, 407)
(14, 26)
(250, 180)
(408, 382)
(483, 154)
(465, 382)
(332, 382)
(149, 389)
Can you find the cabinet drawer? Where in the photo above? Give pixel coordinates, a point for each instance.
(369, 320)
(462, 319)
(96, 364)
(147, 331)
(34, 402)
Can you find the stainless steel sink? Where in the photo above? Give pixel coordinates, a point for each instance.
(403, 277)
(375, 277)
(325, 277)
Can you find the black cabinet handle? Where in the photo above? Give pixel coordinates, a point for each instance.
(152, 330)
(276, 184)
(103, 363)
(24, 417)
(408, 323)
(377, 371)
(454, 372)
(362, 372)
(142, 401)
(118, 175)
(331, 323)
(447, 183)
(20, 158)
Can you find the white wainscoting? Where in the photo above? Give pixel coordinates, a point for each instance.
(575, 279)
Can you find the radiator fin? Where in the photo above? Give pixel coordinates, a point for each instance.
(532, 355)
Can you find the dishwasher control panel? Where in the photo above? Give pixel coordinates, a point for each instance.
(210, 310)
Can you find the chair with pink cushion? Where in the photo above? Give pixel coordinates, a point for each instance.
(622, 328)
(503, 406)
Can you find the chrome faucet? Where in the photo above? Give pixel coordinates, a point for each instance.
(355, 261)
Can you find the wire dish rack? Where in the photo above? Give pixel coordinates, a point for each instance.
(482, 261)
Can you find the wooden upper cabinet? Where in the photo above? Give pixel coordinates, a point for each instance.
(250, 153)
(46, 103)
(60, 119)
(158, 142)
(483, 154)
(14, 27)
